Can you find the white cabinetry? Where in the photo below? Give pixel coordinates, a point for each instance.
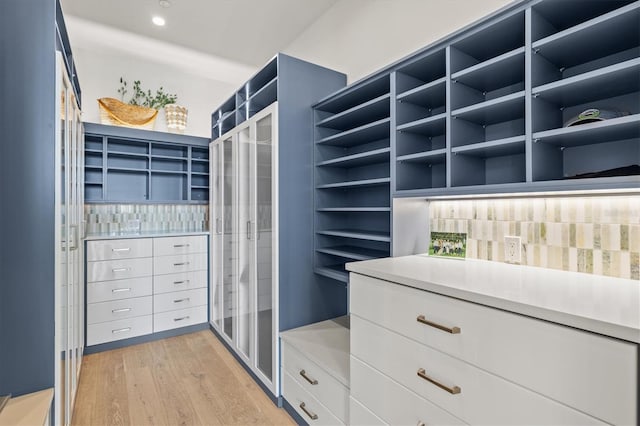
(138, 286)
(244, 255)
(452, 361)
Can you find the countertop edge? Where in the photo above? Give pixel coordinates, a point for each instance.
(94, 237)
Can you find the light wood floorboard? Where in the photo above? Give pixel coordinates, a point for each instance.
(185, 380)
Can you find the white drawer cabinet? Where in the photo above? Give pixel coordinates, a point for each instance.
(179, 318)
(179, 300)
(305, 404)
(181, 281)
(119, 249)
(103, 291)
(359, 415)
(119, 309)
(168, 246)
(179, 263)
(107, 270)
(580, 369)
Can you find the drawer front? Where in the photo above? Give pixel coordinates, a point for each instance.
(179, 263)
(392, 402)
(179, 300)
(103, 291)
(561, 361)
(121, 329)
(107, 270)
(312, 378)
(312, 411)
(181, 281)
(119, 309)
(179, 318)
(481, 397)
(179, 245)
(359, 415)
(119, 249)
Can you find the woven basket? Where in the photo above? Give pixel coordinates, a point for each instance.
(176, 116)
(117, 113)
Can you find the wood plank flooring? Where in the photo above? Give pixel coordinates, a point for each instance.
(185, 380)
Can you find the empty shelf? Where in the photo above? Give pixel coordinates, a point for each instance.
(126, 154)
(353, 209)
(430, 126)
(363, 158)
(264, 97)
(621, 128)
(358, 235)
(356, 183)
(496, 148)
(429, 157)
(428, 95)
(336, 272)
(495, 73)
(355, 95)
(505, 108)
(367, 112)
(367, 133)
(353, 252)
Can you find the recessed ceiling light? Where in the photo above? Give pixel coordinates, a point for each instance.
(158, 20)
(165, 3)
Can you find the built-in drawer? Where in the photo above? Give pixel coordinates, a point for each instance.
(317, 381)
(107, 270)
(179, 318)
(594, 374)
(121, 329)
(359, 415)
(119, 309)
(469, 393)
(392, 402)
(179, 263)
(181, 281)
(102, 291)
(119, 249)
(168, 246)
(307, 406)
(165, 302)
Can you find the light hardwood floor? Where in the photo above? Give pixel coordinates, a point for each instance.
(185, 380)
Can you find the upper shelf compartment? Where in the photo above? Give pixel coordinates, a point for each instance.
(503, 36)
(353, 96)
(599, 42)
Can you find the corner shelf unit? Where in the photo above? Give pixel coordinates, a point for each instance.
(131, 165)
(352, 177)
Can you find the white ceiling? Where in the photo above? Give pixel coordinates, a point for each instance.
(245, 31)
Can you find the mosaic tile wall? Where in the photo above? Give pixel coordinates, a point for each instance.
(114, 218)
(596, 235)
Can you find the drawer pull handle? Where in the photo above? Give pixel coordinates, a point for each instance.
(121, 330)
(117, 250)
(117, 311)
(181, 264)
(186, 299)
(452, 330)
(180, 282)
(181, 318)
(453, 390)
(312, 416)
(307, 378)
(120, 290)
(120, 269)
(181, 245)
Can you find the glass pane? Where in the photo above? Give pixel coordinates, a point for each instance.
(216, 240)
(245, 261)
(61, 291)
(264, 242)
(228, 243)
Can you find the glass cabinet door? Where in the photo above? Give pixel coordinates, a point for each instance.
(216, 190)
(264, 245)
(228, 273)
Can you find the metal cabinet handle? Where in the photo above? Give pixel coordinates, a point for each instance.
(117, 311)
(218, 229)
(248, 230)
(181, 264)
(180, 282)
(120, 290)
(181, 245)
(181, 318)
(452, 390)
(121, 330)
(423, 320)
(186, 299)
(307, 378)
(311, 415)
(120, 269)
(116, 250)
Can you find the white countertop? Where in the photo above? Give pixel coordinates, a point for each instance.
(150, 234)
(326, 343)
(604, 305)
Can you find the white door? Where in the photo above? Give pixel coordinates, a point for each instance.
(217, 252)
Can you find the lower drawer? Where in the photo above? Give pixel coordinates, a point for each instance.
(181, 281)
(480, 397)
(119, 309)
(392, 402)
(121, 329)
(315, 380)
(179, 318)
(179, 300)
(359, 415)
(103, 291)
(179, 263)
(312, 411)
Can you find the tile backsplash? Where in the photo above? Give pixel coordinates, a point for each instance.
(597, 235)
(113, 218)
